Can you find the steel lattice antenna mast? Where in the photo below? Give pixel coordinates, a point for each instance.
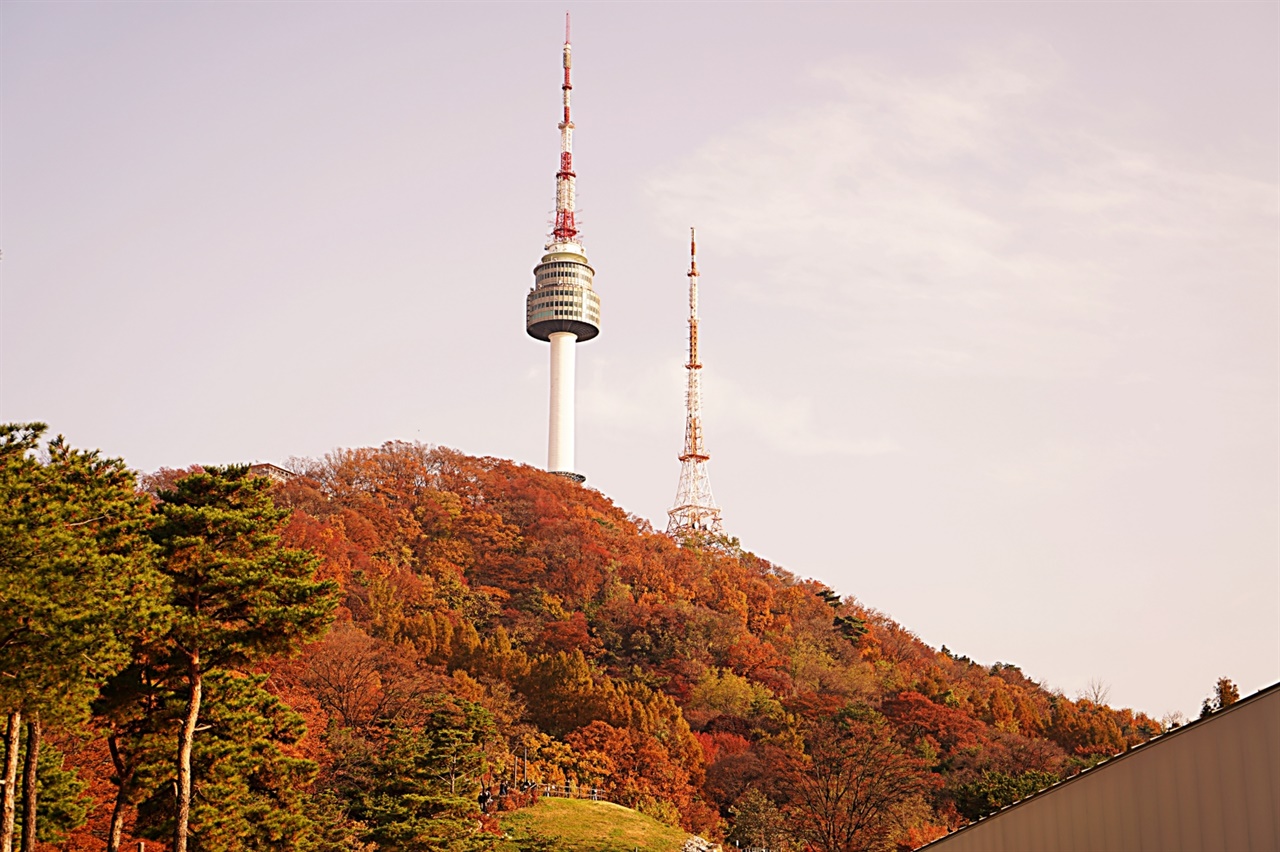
(562, 307)
(565, 229)
(695, 511)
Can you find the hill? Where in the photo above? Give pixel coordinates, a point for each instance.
(575, 825)
(498, 622)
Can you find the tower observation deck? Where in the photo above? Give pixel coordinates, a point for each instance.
(562, 307)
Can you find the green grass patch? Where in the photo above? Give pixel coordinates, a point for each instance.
(578, 825)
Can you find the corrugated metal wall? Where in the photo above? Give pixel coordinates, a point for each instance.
(1212, 785)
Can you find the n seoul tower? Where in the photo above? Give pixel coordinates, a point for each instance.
(561, 306)
(695, 512)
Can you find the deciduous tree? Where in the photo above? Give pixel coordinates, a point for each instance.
(758, 823)
(1225, 693)
(854, 786)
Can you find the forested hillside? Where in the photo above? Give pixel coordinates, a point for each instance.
(493, 622)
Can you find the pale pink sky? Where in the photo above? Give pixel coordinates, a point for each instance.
(989, 290)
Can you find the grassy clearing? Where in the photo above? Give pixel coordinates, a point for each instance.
(575, 825)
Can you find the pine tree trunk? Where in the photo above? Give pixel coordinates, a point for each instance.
(30, 790)
(185, 740)
(8, 805)
(124, 774)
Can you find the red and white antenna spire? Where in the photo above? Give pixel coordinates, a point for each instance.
(695, 512)
(566, 229)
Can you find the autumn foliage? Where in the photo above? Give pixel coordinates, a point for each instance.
(498, 623)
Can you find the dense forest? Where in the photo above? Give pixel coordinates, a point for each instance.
(209, 660)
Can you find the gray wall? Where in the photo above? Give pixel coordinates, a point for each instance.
(1214, 784)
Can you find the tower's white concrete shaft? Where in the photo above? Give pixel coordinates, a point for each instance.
(561, 306)
(695, 511)
(560, 437)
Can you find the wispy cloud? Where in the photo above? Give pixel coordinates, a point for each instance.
(979, 222)
(640, 396)
(791, 425)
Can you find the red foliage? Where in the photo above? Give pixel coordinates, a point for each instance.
(567, 635)
(945, 730)
(718, 745)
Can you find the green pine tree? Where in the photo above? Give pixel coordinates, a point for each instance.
(62, 805)
(139, 710)
(238, 595)
(417, 790)
(77, 584)
(252, 793)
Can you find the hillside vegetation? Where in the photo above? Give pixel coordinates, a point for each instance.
(496, 622)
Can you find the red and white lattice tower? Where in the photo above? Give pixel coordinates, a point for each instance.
(695, 511)
(562, 307)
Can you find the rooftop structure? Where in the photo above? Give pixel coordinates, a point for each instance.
(274, 472)
(562, 308)
(695, 511)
